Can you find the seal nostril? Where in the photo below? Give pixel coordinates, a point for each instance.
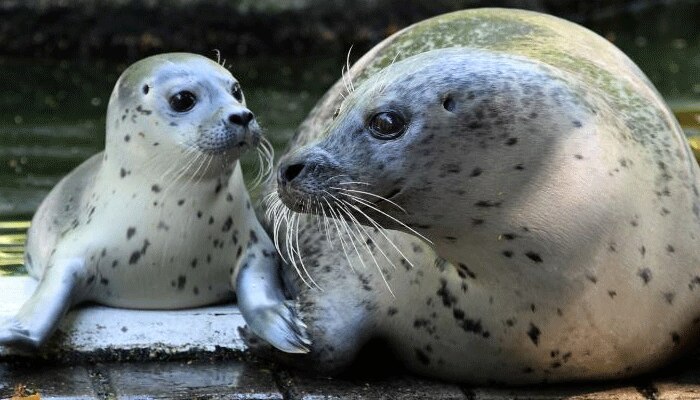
(242, 118)
(292, 171)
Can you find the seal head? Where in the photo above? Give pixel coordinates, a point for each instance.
(195, 113)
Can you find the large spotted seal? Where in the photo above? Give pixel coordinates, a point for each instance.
(555, 188)
(161, 219)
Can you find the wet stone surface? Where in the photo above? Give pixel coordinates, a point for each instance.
(236, 379)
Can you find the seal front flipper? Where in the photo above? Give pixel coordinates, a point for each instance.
(39, 316)
(264, 307)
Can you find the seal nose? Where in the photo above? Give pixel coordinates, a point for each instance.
(242, 118)
(289, 172)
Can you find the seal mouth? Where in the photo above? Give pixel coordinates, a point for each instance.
(226, 141)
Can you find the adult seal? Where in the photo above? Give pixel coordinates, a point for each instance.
(555, 191)
(161, 219)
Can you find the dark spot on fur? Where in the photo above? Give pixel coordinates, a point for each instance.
(511, 141)
(122, 173)
(475, 172)
(670, 249)
(487, 204)
(477, 221)
(578, 156)
(507, 253)
(130, 232)
(227, 225)
(464, 271)
(645, 274)
(181, 202)
(134, 257)
(104, 281)
(676, 338)
(392, 311)
(669, 296)
(193, 264)
(534, 256)
(612, 293)
(143, 110)
(181, 281)
(155, 188)
(577, 124)
(519, 167)
(253, 237)
(534, 334)
(127, 138)
(448, 299)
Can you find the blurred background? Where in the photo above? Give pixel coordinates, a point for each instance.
(59, 60)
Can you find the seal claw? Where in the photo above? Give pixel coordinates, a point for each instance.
(280, 325)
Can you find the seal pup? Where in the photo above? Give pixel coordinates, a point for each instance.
(554, 188)
(161, 219)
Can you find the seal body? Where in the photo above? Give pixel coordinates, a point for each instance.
(161, 219)
(554, 189)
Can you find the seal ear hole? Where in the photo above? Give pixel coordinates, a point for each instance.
(146, 89)
(449, 104)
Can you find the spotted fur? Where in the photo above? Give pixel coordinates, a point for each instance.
(525, 181)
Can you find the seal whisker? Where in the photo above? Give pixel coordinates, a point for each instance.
(370, 194)
(381, 230)
(266, 155)
(340, 222)
(353, 183)
(298, 250)
(347, 68)
(368, 204)
(360, 229)
(290, 245)
(345, 206)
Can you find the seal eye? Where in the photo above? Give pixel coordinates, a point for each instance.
(236, 91)
(183, 101)
(387, 125)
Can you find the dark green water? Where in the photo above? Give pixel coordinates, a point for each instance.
(52, 113)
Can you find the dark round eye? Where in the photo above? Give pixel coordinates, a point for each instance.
(237, 92)
(183, 101)
(387, 125)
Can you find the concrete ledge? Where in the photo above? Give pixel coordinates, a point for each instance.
(104, 333)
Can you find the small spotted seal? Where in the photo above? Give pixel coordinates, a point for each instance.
(161, 219)
(555, 189)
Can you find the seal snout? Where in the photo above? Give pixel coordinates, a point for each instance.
(306, 175)
(241, 117)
